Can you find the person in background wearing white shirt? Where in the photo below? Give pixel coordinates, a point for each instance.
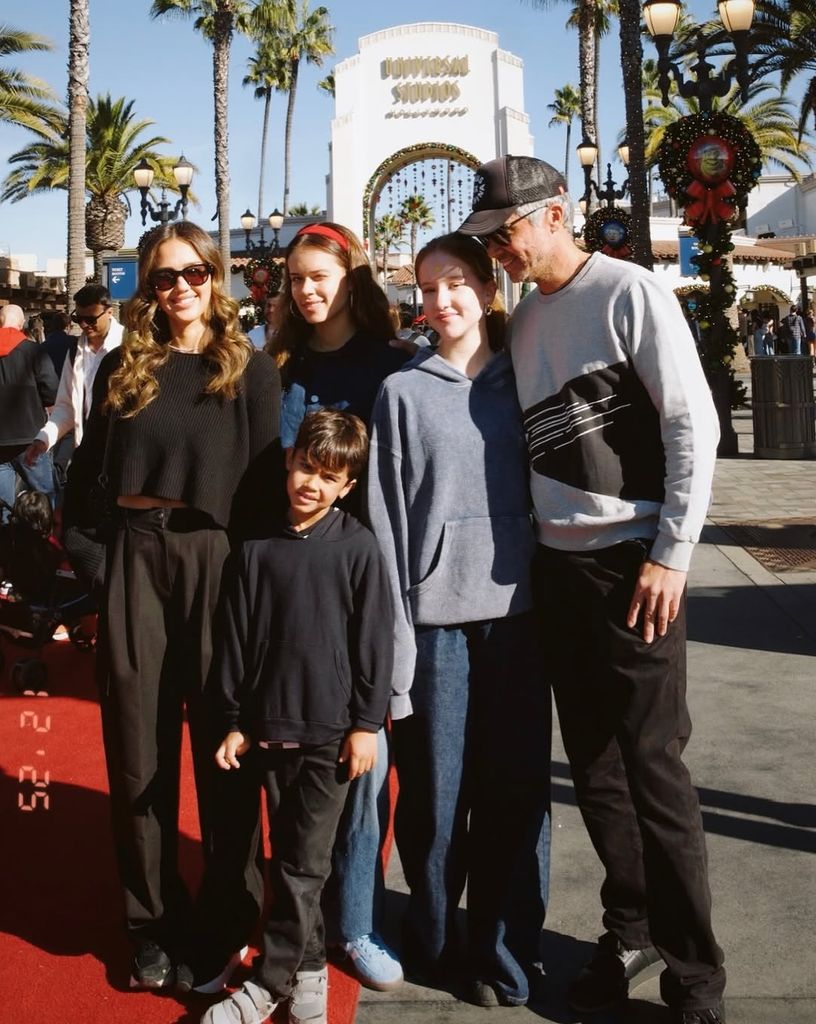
(101, 333)
(261, 334)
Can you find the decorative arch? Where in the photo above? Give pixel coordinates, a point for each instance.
(768, 288)
(398, 160)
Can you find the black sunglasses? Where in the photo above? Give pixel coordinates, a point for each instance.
(501, 236)
(165, 279)
(84, 318)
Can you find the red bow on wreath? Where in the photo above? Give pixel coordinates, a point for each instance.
(623, 252)
(709, 203)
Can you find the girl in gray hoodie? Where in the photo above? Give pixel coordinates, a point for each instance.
(449, 502)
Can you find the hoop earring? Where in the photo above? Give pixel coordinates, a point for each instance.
(294, 310)
(488, 310)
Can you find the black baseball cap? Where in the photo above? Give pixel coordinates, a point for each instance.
(501, 185)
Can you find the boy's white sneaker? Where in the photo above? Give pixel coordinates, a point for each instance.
(308, 1001)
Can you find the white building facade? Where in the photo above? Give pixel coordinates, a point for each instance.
(418, 91)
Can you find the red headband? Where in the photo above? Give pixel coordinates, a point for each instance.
(328, 232)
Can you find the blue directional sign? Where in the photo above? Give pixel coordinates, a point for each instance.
(689, 246)
(122, 276)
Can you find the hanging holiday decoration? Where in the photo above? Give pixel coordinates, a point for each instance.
(263, 276)
(609, 230)
(709, 163)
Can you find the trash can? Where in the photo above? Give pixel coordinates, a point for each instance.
(784, 410)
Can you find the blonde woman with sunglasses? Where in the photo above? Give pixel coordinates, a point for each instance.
(188, 413)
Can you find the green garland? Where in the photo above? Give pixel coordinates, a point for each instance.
(595, 224)
(714, 200)
(263, 275)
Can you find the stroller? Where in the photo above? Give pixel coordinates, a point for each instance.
(39, 593)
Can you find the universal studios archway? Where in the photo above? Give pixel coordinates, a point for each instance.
(417, 109)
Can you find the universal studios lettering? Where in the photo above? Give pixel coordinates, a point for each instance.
(425, 67)
(419, 92)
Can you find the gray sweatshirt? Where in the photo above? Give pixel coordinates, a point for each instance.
(620, 423)
(448, 500)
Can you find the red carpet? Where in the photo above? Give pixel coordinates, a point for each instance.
(63, 955)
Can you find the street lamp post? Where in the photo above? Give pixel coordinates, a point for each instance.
(275, 221)
(708, 162)
(587, 155)
(143, 175)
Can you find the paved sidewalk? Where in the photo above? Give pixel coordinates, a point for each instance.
(752, 692)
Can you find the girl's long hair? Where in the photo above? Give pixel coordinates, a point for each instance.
(145, 346)
(368, 304)
(474, 255)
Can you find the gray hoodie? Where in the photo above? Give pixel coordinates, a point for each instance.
(448, 500)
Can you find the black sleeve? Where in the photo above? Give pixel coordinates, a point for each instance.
(372, 644)
(46, 377)
(261, 495)
(228, 674)
(86, 461)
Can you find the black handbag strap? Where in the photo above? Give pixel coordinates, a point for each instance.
(104, 478)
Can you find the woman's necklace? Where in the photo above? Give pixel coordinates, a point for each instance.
(194, 349)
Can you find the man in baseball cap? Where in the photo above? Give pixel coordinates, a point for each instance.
(502, 185)
(622, 436)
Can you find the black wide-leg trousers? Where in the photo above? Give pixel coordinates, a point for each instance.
(624, 722)
(164, 573)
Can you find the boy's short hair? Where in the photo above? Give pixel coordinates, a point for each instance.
(334, 439)
(33, 509)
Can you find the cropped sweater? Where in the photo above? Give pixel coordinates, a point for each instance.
(448, 500)
(620, 424)
(187, 445)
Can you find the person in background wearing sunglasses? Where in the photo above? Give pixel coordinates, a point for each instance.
(193, 414)
(101, 333)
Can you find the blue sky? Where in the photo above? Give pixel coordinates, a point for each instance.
(166, 68)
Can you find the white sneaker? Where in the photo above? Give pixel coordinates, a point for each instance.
(309, 998)
(210, 986)
(373, 963)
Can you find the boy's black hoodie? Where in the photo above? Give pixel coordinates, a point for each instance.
(305, 649)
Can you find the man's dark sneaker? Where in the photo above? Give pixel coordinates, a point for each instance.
(611, 974)
(151, 967)
(710, 1015)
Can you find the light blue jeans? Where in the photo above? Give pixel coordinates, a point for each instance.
(39, 477)
(353, 900)
(473, 762)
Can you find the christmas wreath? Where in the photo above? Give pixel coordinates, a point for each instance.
(263, 276)
(709, 163)
(609, 230)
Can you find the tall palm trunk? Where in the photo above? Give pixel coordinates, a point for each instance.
(586, 68)
(264, 134)
(221, 54)
(287, 148)
(80, 35)
(599, 158)
(567, 153)
(631, 63)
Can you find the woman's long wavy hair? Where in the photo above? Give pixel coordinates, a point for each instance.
(145, 346)
(368, 304)
(474, 255)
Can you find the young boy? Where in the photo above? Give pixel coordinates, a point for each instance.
(304, 662)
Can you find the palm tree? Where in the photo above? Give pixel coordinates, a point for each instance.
(216, 20)
(304, 35)
(416, 213)
(24, 100)
(268, 73)
(304, 210)
(784, 36)
(388, 232)
(78, 74)
(566, 106)
(114, 147)
(602, 9)
(327, 84)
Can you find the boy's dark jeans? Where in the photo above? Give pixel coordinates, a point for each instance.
(624, 721)
(305, 792)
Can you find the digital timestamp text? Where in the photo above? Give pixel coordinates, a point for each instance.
(33, 778)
